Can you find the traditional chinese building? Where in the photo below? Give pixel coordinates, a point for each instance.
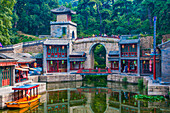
(57, 51)
(22, 65)
(135, 55)
(165, 62)
(7, 71)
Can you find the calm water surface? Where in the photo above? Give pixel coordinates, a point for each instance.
(93, 97)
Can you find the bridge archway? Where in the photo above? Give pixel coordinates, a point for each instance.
(88, 44)
(92, 56)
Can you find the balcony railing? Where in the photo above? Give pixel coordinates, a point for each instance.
(129, 54)
(56, 55)
(94, 71)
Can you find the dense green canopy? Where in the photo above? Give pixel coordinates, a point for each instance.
(93, 17)
(6, 7)
(122, 16)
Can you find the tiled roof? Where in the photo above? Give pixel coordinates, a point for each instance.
(113, 53)
(78, 54)
(37, 55)
(21, 57)
(56, 42)
(164, 45)
(129, 41)
(62, 10)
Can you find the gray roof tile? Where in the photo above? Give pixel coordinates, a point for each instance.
(62, 9)
(56, 42)
(21, 57)
(129, 41)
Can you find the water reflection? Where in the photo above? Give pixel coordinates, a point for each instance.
(90, 97)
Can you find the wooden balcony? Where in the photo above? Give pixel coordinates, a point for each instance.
(129, 54)
(56, 55)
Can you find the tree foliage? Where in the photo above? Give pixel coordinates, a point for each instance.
(93, 17)
(35, 16)
(6, 7)
(122, 16)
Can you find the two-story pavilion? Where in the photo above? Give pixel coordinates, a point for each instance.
(129, 55)
(136, 54)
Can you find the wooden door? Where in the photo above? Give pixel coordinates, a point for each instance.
(5, 77)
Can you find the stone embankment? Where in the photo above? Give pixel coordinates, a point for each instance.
(60, 78)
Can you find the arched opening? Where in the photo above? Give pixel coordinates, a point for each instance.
(73, 35)
(98, 56)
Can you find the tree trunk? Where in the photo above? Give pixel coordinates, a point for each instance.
(149, 17)
(100, 18)
(86, 22)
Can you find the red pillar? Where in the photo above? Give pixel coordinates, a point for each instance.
(19, 75)
(57, 66)
(111, 65)
(154, 67)
(27, 75)
(79, 64)
(71, 66)
(128, 65)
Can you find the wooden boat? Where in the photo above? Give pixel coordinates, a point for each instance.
(24, 99)
(33, 108)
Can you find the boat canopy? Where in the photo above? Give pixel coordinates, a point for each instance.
(26, 87)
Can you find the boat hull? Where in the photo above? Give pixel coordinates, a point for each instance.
(22, 104)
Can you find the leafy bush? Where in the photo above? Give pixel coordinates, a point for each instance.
(140, 83)
(149, 98)
(124, 80)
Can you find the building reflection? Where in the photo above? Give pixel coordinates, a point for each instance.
(95, 100)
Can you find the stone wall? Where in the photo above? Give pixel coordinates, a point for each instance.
(158, 89)
(126, 88)
(33, 48)
(64, 85)
(146, 42)
(60, 78)
(165, 60)
(130, 79)
(61, 18)
(34, 78)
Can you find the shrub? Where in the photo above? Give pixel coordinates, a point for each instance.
(140, 82)
(124, 80)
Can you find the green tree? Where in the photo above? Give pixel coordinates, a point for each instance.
(6, 7)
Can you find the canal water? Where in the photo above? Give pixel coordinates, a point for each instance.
(94, 97)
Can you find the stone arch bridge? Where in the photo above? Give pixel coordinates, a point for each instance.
(88, 45)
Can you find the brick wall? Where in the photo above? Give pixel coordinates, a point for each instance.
(38, 48)
(146, 42)
(166, 64)
(61, 18)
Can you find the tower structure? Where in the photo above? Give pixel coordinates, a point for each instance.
(63, 27)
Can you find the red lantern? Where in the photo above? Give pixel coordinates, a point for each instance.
(150, 65)
(62, 47)
(133, 46)
(35, 64)
(49, 47)
(123, 46)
